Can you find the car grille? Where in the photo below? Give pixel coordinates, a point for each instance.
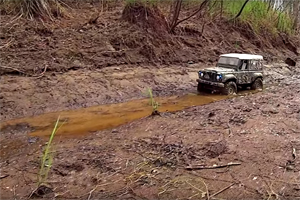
(210, 76)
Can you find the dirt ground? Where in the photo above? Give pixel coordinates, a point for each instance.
(245, 147)
(152, 157)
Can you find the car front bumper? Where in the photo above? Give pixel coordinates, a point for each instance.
(210, 83)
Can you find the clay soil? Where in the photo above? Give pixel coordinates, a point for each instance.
(245, 147)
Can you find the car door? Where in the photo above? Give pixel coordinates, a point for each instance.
(244, 75)
(254, 66)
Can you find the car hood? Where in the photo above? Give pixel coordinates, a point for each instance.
(219, 69)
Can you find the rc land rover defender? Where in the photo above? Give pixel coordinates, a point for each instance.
(232, 71)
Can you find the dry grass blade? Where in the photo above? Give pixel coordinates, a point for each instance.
(222, 190)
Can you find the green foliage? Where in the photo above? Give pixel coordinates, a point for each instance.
(47, 158)
(259, 14)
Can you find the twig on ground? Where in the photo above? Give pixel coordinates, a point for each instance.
(207, 192)
(210, 178)
(90, 192)
(211, 167)
(7, 44)
(271, 193)
(60, 194)
(203, 194)
(4, 176)
(22, 72)
(220, 191)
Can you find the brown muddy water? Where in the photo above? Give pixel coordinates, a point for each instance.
(86, 120)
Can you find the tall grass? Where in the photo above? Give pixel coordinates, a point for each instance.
(47, 158)
(259, 14)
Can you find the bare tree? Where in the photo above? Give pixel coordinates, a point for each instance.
(245, 3)
(175, 20)
(176, 12)
(296, 11)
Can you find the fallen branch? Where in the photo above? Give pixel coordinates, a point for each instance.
(226, 188)
(211, 167)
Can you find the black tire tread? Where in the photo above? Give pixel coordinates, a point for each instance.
(227, 87)
(254, 84)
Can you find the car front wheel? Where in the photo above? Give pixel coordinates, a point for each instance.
(257, 84)
(200, 87)
(230, 88)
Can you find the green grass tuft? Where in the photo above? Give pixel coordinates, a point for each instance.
(154, 104)
(47, 158)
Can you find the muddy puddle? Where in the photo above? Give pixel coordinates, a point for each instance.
(87, 120)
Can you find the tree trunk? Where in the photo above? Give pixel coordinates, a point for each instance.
(296, 11)
(176, 12)
(221, 8)
(175, 22)
(241, 9)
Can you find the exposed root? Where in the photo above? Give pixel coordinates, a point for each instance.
(30, 9)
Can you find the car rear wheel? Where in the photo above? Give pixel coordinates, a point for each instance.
(230, 88)
(257, 84)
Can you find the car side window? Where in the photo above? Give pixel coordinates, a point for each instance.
(259, 65)
(254, 65)
(245, 65)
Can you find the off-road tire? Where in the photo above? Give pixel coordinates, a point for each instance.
(230, 88)
(200, 87)
(257, 84)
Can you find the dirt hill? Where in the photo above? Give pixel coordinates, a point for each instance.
(83, 41)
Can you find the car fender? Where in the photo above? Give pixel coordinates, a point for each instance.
(228, 77)
(256, 75)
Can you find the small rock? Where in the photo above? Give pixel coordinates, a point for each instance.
(114, 131)
(32, 140)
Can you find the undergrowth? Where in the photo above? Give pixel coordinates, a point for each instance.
(260, 15)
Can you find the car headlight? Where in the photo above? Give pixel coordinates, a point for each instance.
(219, 77)
(201, 74)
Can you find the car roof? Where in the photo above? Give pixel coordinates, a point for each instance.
(243, 56)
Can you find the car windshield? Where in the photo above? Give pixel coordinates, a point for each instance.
(225, 61)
